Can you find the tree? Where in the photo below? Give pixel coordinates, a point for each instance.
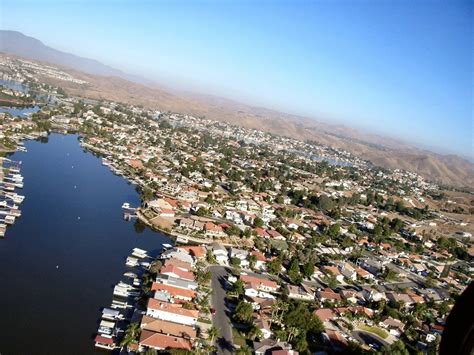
(146, 194)
(258, 222)
(294, 271)
(233, 230)
(308, 269)
(252, 261)
(243, 312)
(274, 266)
(334, 230)
(443, 308)
(131, 334)
(305, 321)
(235, 262)
(254, 332)
(210, 257)
(213, 333)
(238, 287)
(243, 350)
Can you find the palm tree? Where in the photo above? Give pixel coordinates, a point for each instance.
(131, 334)
(213, 333)
(243, 350)
(278, 309)
(292, 332)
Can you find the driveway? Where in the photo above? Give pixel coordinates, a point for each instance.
(221, 318)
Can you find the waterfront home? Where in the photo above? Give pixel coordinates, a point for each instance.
(197, 252)
(183, 265)
(104, 342)
(177, 272)
(176, 282)
(161, 342)
(171, 312)
(176, 293)
(178, 254)
(167, 328)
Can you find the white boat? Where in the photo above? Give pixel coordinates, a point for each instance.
(126, 207)
(139, 253)
(132, 262)
(119, 304)
(130, 274)
(16, 198)
(9, 219)
(111, 314)
(145, 264)
(120, 291)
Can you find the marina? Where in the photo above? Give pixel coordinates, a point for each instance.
(125, 296)
(64, 255)
(10, 181)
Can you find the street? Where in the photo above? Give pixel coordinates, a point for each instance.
(221, 319)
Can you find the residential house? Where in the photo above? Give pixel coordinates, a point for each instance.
(171, 312)
(220, 253)
(161, 341)
(302, 292)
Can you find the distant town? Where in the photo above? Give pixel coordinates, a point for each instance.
(281, 246)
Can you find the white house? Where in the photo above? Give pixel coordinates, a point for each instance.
(171, 312)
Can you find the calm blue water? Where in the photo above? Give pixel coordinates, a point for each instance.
(14, 85)
(56, 311)
(19, 111)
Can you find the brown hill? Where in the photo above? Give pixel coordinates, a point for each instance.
(382, 151)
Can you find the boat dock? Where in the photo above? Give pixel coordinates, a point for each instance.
(10, 181)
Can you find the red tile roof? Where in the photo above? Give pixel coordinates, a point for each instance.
(171, 269)
(173, 291)
(161, 341)
(171, 308)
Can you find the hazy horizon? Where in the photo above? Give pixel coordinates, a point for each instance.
(396, 69)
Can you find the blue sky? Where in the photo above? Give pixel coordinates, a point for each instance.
(401, 68)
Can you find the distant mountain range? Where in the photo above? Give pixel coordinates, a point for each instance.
(17, 43)
(109, 83)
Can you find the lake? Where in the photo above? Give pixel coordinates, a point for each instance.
(19, 111)
(71, 218)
